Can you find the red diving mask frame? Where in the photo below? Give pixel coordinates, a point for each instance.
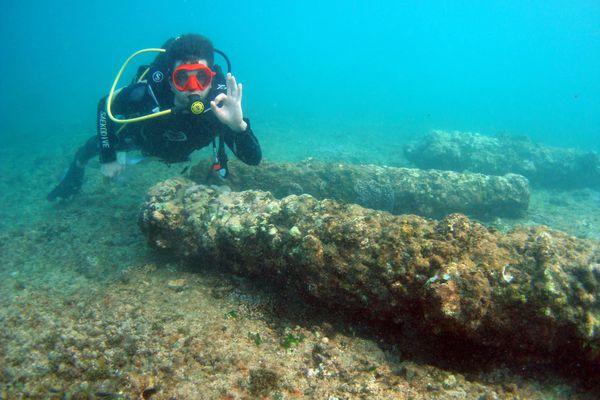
(190, 77)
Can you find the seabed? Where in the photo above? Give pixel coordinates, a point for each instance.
(88, 310)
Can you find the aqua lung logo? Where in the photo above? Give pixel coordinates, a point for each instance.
(221, 86)
(157, 76)
(103, 131)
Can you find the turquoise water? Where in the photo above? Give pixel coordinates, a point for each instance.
(339, 81)
(397, 69)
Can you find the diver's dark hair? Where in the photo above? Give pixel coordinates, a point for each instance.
(186, 48)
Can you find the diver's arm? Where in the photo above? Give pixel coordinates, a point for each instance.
(135, 99)
(107, 141)
(105, 130)
(244, 144)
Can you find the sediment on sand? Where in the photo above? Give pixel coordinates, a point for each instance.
(432, 194)
(531, 291)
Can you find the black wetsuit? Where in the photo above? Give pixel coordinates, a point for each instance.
(172, 138)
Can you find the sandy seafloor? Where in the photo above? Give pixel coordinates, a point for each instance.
(89, 310)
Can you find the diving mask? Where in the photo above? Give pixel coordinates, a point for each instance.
(190, 77)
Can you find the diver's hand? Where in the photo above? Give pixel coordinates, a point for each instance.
(111, 169)
(228, 107)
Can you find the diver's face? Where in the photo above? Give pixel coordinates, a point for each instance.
(181, 97)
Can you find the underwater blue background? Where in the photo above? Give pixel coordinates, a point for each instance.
(393, 68)
(88, 304)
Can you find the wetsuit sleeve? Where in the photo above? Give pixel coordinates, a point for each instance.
(244, 144)
(107, 139)
(131, 101)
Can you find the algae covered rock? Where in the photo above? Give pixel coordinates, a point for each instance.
(431, 194)
(532, 290)
(545, 166)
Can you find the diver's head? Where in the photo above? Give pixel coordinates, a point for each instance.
(190, 78)
(189, 47)
(189, 61)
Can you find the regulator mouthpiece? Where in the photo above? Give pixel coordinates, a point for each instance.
(195, 105)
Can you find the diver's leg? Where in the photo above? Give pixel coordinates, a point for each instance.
(71, 183)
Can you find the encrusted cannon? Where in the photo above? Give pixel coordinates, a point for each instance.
(532, 290)
(431, 194)
(544, 166)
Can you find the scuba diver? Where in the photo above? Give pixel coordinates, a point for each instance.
(180, 103)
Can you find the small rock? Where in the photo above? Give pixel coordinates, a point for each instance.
(295, 232)
(510, 387)
(177, 284)
(449, 382)
(489, 395)
(433, 386)
(410, 372)
(149, 392)
(455, 394)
